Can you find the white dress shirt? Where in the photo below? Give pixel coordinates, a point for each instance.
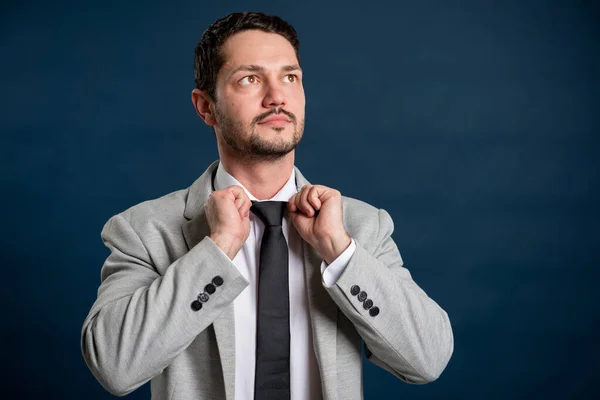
(305, 381)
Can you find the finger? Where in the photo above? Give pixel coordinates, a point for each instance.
(298, 200)
(304, 204)
(240, 200)
(244, 204)
(239, 196)
(313, 197)
(292, 204)
(245, 208)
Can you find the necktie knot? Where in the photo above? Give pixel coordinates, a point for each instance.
(269, 212)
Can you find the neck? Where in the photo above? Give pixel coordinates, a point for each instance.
(264, 179)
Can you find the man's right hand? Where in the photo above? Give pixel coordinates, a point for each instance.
(228, 215)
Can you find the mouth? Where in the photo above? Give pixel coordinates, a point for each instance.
(275, 121)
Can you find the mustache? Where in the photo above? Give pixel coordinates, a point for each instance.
(274, 111)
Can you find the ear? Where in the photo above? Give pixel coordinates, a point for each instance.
(202, 104)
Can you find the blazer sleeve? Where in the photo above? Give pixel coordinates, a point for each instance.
(141, 320)
(405, 332)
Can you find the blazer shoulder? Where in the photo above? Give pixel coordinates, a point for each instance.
(369, 225)
(167, 209)
(360, 216)
(358, 207)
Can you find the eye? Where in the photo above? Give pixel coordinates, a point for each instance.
(292, 78)
(250, 79)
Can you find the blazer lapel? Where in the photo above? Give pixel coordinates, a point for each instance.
(323, 315)
(194, 230)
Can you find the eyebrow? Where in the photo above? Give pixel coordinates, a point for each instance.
(259, 68)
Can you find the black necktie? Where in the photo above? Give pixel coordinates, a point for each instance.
(272, 377)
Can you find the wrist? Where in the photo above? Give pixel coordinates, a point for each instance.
(336, 246)
(226, 244)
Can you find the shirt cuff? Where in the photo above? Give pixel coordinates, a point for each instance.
(333, 271)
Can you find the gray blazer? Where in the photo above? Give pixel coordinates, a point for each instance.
(142, 327)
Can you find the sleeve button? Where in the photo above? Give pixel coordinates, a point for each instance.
(217, 281)
(354, 290)
(196, 305)
(374, 311)
(210, 288)
(203, 297)
(362, 296)
(368, 304)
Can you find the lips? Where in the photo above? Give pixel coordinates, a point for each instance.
(277, 119)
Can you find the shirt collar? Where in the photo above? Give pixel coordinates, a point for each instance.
(224, 179)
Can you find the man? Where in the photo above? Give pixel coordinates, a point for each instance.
(253, 283)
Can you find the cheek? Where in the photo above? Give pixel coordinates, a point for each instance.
(243, 112)
(299, 96)
(300, 102)
(240, 107)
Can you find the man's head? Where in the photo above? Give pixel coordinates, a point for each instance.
(247, 73)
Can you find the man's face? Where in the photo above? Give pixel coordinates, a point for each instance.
(259, 108)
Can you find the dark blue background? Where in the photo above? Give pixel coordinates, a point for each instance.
(474, 124)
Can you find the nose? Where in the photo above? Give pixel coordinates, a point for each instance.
(275, 96)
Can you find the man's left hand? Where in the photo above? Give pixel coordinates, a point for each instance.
(316, 212)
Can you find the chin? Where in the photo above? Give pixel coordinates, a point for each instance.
(288, 127)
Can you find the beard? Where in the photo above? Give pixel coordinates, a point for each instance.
(250, 145)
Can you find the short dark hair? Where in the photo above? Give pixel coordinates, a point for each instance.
(208, 58)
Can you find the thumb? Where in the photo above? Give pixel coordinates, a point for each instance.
(299, 220)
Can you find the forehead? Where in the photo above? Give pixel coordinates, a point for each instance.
(258, 48)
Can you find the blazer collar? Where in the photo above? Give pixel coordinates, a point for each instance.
(203, 186)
